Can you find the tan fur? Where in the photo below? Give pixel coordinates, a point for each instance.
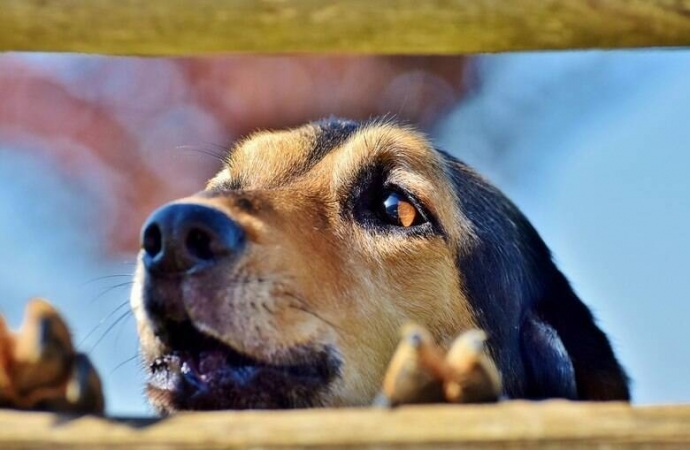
(421, 372)
(413, 373)
(39, 367)
(473, 376)
(310, 275)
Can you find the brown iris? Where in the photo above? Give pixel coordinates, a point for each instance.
(400, 211)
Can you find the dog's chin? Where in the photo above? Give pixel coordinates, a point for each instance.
(198, 372)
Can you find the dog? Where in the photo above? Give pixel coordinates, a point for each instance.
(284, 283)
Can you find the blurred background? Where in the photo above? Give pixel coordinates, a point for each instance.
(593, 146)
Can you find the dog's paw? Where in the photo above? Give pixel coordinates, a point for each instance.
(414, 371)
(473, 376)
(421, 372)
(40, 369)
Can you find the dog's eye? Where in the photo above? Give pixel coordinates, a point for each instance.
(399, 211)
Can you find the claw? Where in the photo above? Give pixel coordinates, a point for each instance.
(413, 374)
(43, 334)
(43, 349)
(475, 378)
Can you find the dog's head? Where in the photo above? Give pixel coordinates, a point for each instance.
(285, 282)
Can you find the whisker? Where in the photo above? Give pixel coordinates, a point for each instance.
(119, 331)
(105, 333)
(221, 147)
(100, 323)
(111, 288)
(93, 280)
(300, 306)
(128, 360)
(189, 148)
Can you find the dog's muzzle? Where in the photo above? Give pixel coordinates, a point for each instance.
(187, 250)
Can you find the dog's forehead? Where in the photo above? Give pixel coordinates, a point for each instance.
(395, 148)
(330, 149)
(274, 158)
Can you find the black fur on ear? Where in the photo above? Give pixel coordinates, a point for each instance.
(548, 365)
(598, 374)
(544, 339)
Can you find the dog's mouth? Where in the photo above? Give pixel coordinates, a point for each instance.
(199, 372)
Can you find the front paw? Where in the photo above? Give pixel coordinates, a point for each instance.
(422, 372)
(40, 369)
(473, 376)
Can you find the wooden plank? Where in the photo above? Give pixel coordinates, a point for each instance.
(515, 425)
(176, 27)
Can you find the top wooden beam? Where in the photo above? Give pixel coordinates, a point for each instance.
(184, 27)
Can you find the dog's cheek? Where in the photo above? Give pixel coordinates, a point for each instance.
(359, 381)
(350, 312)
(423, 283)
(368, 334)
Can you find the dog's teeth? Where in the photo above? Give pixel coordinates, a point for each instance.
(157, 364)
(191, 377)
(164, 362)
(186, 369)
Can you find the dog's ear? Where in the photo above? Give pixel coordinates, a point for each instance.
(563, 323)
(548, 366)
(543, 338)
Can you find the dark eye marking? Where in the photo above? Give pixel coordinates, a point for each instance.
(382, 206)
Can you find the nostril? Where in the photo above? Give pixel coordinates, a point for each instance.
(153, 240)
(198, 244)
(186, 237)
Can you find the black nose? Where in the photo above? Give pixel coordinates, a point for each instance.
(186, 237)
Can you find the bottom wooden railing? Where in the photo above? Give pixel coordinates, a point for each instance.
(550, 424)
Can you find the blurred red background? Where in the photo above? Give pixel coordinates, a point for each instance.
(148, 129)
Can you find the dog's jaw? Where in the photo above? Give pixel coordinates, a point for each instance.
(212, 376)
(188, 368)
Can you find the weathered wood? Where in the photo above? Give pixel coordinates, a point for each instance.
(174, 27)
(508, 425)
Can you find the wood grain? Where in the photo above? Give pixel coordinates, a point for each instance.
(176, 27)
(514, 425)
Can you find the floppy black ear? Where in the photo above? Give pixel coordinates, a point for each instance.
(564, 323)
(548, 368)
(543, 338)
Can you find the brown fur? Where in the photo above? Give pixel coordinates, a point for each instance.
(311, 275)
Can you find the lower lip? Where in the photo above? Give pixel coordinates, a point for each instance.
(208, 383)
(172, 370)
